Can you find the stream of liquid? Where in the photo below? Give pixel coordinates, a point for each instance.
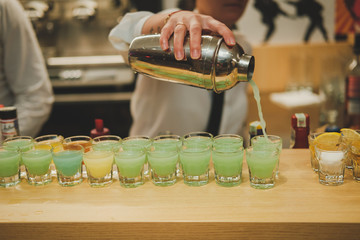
(257, 99)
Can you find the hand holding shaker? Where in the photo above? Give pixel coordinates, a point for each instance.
(219, 68)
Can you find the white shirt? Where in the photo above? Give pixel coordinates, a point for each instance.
(24, 81)
(158, 106)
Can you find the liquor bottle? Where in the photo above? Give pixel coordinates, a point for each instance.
(99, 129)
(300, 129)
(352, 89)
(219, 68)
(9, 123)
(332, 126)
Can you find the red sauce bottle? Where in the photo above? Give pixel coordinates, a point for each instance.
(99, 129)
(300, 129)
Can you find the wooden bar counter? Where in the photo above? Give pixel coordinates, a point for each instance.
(298, 207)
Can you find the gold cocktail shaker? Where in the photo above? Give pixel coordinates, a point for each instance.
(219, 68)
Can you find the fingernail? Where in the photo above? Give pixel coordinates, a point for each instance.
(232, 42)
(178, 55)
(195, 54)
(164, 45)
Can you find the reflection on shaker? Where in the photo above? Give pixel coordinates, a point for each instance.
(219, 68)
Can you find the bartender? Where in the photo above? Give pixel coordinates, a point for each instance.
(24, 81)
(158, 106)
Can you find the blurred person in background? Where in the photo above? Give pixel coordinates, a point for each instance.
(162, 107)
(24, 81)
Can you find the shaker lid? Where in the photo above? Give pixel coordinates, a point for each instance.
(8, 113)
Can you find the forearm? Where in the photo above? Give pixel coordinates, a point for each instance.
(154, 24)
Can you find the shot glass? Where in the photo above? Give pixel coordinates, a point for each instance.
(169, 141)
(331, 166)
(314, 161)
(68, 164)
(227, 156)
(110, 143)
(354, 154)
(260, 142)
(143, 141)
(130, 160)
(24, 144)
(162, 162)
(195, 160)
(262, 166)
(99, 166)
(347, 141)
(9, 166)
(55, 141)
(84, 141)
(196, 170)
(37, 164)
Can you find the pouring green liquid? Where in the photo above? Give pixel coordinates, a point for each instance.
(257, 99)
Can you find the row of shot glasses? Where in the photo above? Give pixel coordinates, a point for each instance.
(163, 159)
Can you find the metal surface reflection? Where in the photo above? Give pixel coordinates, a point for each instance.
(219, 68)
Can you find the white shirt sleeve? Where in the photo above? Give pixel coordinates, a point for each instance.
(28, 86)
(129, 28)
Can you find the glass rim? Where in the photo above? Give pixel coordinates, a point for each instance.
(9, 148)
(43, 146)
(228, 135)
(37, 139)
(198, 134)
(203, 148)
(268, 135)
(78, 138)
(136, 137)
(16, 152)
(71, 149)
(19, 138)
(97, 139)
(167, 136)
(153, 150)
(37, 150)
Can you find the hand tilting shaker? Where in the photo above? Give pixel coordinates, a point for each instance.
(220, 67)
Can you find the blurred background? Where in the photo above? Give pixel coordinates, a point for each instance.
(295, 49)
(89, 78)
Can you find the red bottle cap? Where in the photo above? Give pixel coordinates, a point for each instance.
(99, 125)
(99, 129)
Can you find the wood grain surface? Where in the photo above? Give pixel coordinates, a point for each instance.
(298, 207)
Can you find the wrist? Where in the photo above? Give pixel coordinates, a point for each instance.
(169, 16)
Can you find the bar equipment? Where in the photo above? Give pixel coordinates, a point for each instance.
(219, 68)
(87, 74)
